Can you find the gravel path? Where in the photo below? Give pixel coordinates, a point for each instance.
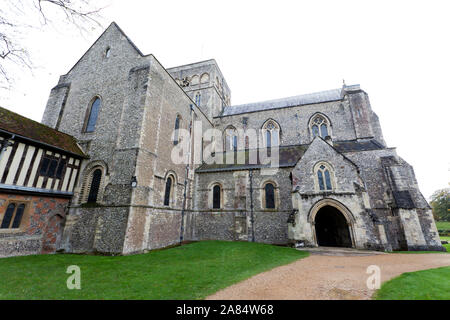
(327, 277)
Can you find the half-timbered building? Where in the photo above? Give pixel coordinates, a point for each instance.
(38, 170)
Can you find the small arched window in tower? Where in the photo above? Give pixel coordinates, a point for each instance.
(269, 190)
(204, 78)
(168, 190)
(175, 133)
(319, 126)
(216, 197)
(108, 52)
(198, 97)
(323, 175)
(93, 115)
(271, 131)
(95, 186)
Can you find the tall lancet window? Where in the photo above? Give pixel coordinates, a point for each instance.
(231, 139)
(168, 190)
(175, 134)
(320, 126)
(217, 192)
(95, 185)
(269, 190)
(93, 112)
(271, 133)
(324, 178)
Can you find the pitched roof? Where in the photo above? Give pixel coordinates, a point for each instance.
(289, 156)
(32, 130)
(310, 98)
(353, 145)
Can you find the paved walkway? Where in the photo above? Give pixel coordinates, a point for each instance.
(324, 275)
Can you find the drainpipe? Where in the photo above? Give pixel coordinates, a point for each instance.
(252, 219)
(186, 176)
(5, 144)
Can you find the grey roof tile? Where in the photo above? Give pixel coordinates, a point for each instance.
(310, 98)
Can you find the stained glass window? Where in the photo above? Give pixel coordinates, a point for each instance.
(324, 178)
(268, 139)
(272, 130)
(315, 130)
(320, 126)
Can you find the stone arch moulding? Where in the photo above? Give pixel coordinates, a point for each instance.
(86, 177)
(338, 205)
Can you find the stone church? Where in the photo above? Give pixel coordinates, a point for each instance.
(336, 182)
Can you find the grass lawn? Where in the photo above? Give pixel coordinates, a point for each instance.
(432, 284)
(191, 271)
(443, 225)
(447, 246)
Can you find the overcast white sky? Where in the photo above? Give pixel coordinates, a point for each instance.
(398, 51)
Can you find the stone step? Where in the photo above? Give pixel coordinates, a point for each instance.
(337, 251)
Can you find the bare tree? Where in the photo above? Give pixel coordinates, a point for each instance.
(19, 16)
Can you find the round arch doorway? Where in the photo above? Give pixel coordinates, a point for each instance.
(332, 229)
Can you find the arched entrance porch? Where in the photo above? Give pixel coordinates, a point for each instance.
(332, 224)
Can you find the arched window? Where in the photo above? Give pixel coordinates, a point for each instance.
(175, 134)
(168, 190)
(231, 141)
(93, 115)
(271, 132)
(108, 52)
(204, 78)
(195, 79)
(197, 99)
(217, 195)
(94, 180)
(320, 126)
(269, 191)
(95, 186)
(324, 178)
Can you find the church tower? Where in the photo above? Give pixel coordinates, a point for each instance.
(204, 83)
